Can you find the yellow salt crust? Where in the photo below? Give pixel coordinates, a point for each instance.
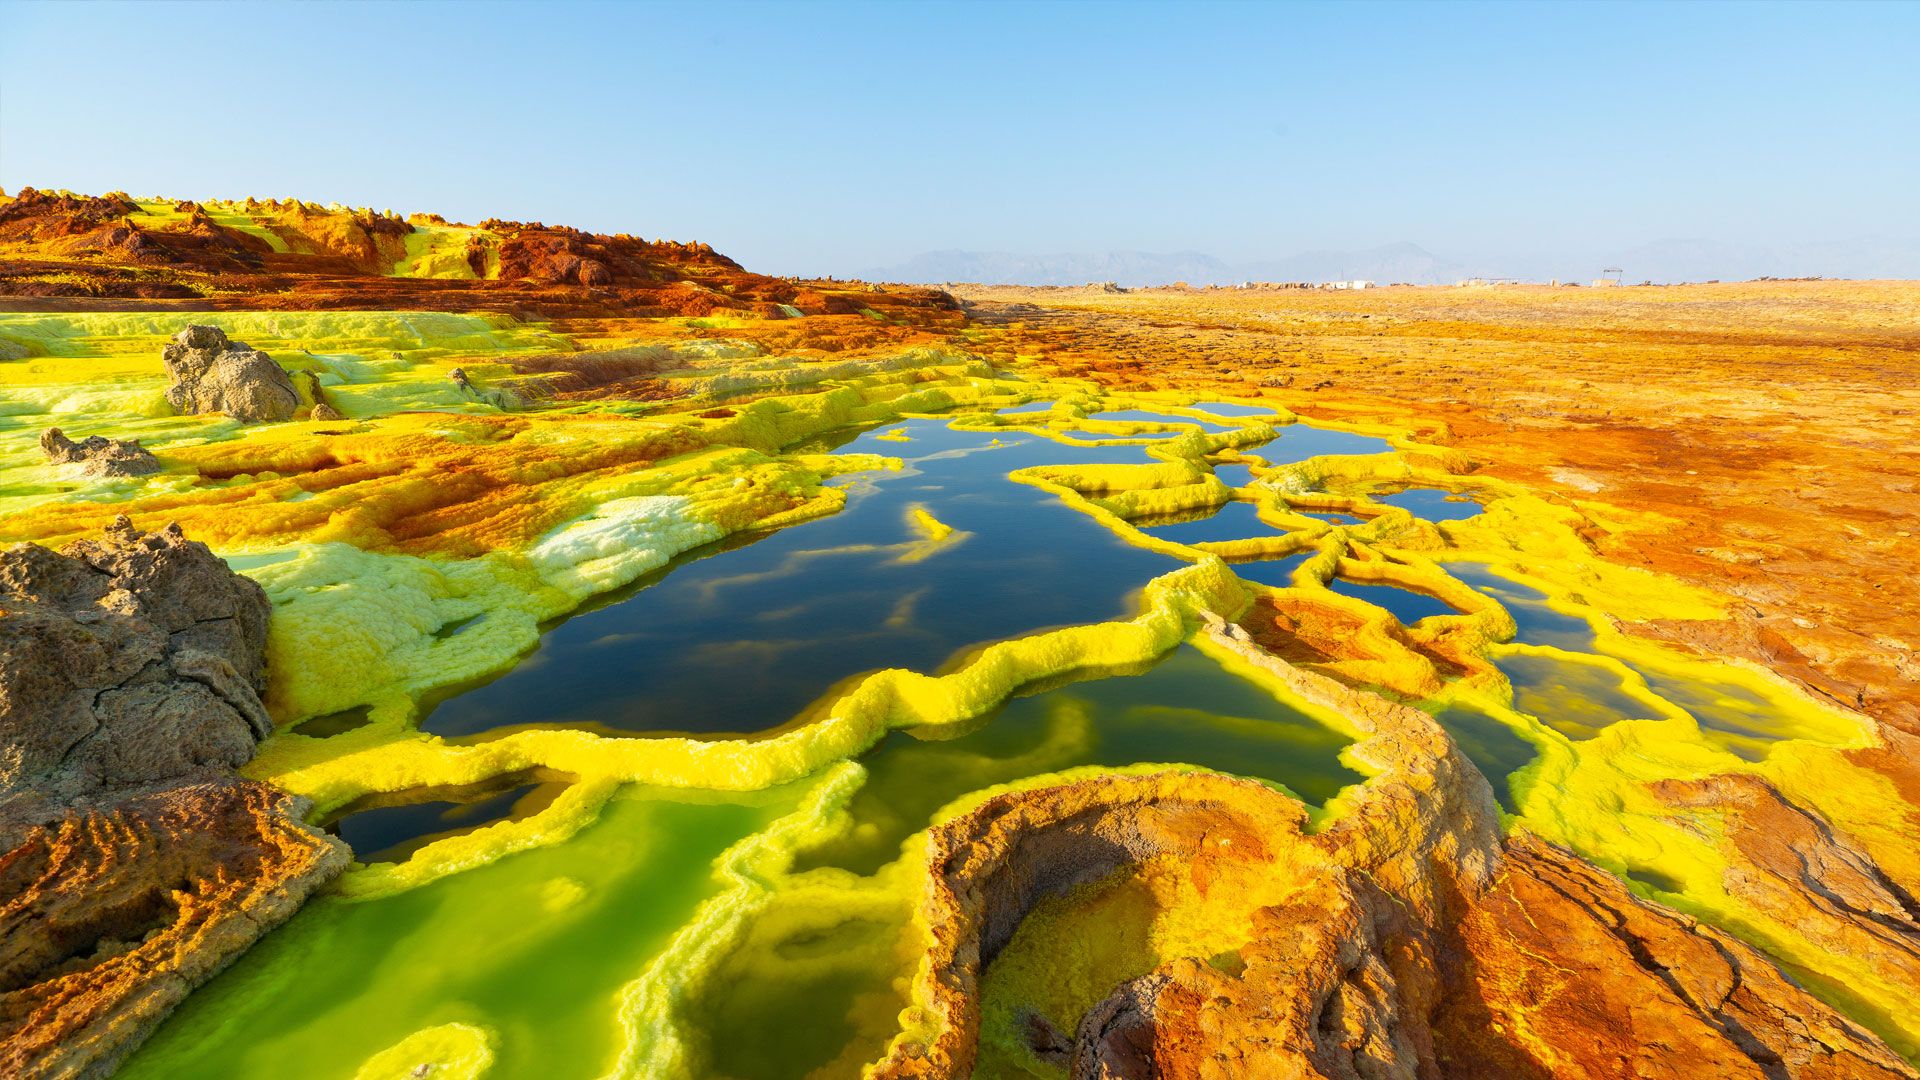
(356, 627)
(450, 1051)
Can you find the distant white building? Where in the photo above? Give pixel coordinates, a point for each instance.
(1349, 284)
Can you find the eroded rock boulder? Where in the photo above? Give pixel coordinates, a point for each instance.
(110, 916)
(133, 865)
(130, 660)
(98, 455)
(211, 374)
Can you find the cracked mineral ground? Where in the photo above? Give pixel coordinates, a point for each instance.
(508, 651)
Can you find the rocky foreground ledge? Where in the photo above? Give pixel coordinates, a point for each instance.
(136, 865)
(1406, 939)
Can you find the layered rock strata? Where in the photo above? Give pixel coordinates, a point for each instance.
(134, 865)
(112, 915)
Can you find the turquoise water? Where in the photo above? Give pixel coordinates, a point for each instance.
(391, 827)
(339, 723)
(1234, 475)
(1579, 700)
(747, 642)
(1538, 624)
(1327, 515)
(1159, 418)
(1097, 436)
(1228, 408)
(1298, 442)
(1183, 709)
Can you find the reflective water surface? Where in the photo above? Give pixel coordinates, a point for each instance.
(743, 636)
(1432, 504)
(1232, 520)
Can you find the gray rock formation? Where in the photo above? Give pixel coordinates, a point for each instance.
(214, 375)
(98, 455)
(125, 662)
(323, 409)
(133, 865)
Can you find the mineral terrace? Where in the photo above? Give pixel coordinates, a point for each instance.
(500, 650)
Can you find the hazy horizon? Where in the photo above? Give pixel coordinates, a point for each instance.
(826, 141)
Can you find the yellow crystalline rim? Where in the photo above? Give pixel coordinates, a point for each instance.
(452, 1051)
(358, 609)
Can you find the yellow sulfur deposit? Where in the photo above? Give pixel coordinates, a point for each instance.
(428, 540)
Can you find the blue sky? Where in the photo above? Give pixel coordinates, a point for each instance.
(830, 138)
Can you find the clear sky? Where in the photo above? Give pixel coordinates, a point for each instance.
(828, 138)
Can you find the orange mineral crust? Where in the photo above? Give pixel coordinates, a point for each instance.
(1525, 675)
(1772, 423)
(65, 252)
(1405, 939)
(110, 917)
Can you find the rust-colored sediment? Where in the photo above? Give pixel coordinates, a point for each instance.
(1555, 969)
(60, 251)
(1772, 422)
(1409, 939)
(1562, 972)
(112, 916)
(1766, 427)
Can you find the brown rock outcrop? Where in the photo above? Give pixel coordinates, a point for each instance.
(110, 917)
(130, 660)
(1806, 877)
(1406, 939)
(98, 455)
(134, 865)
(213, 374)
(1337, 982)
(1349, 947)
(1555, 970)
(1564, 973)
(52, 215)
(323, 409)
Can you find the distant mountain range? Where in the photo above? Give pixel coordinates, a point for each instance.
(1394, 262)
(1128, 268)
(1671, 260)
